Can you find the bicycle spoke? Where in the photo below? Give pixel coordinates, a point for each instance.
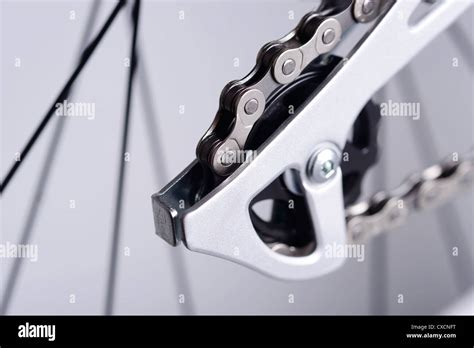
(119, 196)
(87, 53)
(178, 264)
(43, 181)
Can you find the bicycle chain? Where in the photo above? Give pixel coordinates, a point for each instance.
(424, 190)
(280, 62)
(242, 102)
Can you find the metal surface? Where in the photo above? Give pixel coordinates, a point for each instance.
(328, 36)
(219, 223)
(288, 66)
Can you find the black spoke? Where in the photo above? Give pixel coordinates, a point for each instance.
(87, 53)
(42, 183)
(179, 268)
(119, 196)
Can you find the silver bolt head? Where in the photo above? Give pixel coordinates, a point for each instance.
(328, 36)
(251, 106)
(327, 169)
(288, 66)
(323, 165)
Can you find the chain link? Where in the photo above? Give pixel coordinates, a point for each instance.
(424, 190)
(279, 62)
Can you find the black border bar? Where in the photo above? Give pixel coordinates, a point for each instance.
(262, 330)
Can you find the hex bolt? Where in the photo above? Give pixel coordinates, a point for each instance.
(251, 106)
(288, 66)
(328, 36)
(327, 168)
(323, 164)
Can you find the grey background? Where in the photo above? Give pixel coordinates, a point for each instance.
(188, 62)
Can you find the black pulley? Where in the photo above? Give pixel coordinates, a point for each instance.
(289, 222)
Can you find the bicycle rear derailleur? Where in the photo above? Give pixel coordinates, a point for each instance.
(276, 171)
